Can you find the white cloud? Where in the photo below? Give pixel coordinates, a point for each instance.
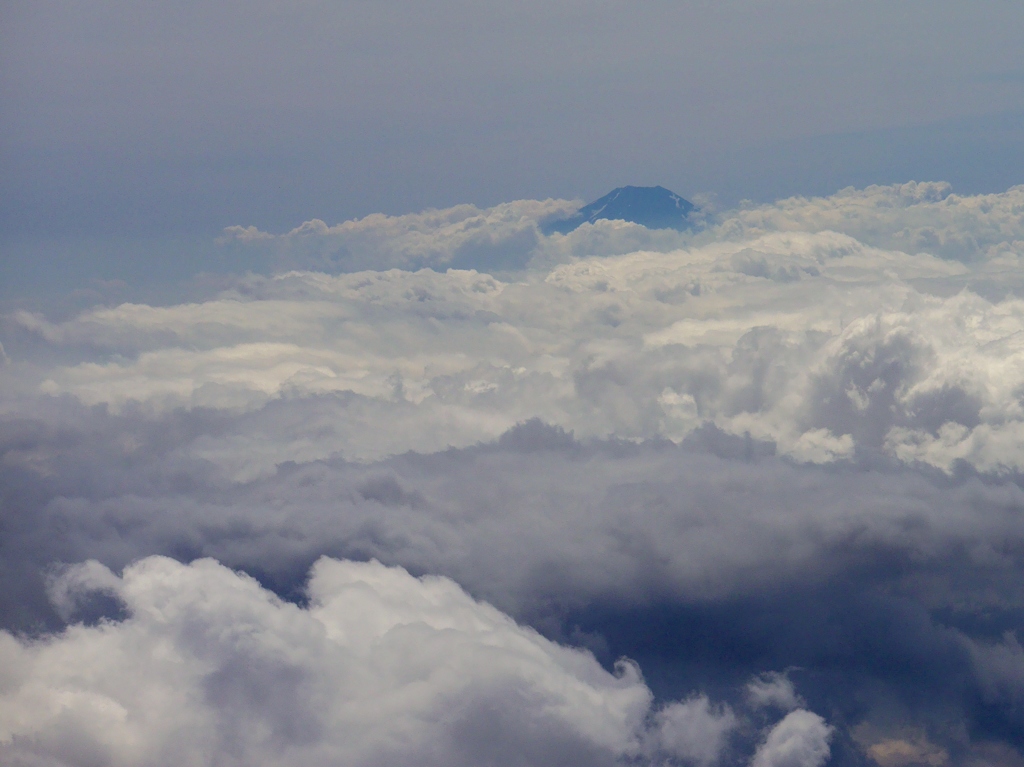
(695, 730)
(821, 446)
(815, 341)
(71, 584)
(505, 236)
(773, 690)
(799, 740)
(380, 668)
(912, 217)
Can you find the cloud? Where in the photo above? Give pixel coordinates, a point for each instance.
(537, 101)
(1000, 666)
(827, 347)
(378, 668)
(694, 730)
(799, 740)
(897, 753)
(70, 587)
(912, 217)
(502, 237)
(994, 754)
(709, 562)
(744, 449)
(569, 522)
(505, 238)
(903, 746)
(773, 690)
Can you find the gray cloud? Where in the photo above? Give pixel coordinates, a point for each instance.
(567, 521)
(735, 451)
(835, 572)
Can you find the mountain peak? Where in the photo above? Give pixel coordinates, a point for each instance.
(652, 206)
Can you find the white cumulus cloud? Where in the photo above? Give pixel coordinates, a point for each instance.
(695, 730)
(773, 689)
(380, 668)
(829, 347)
(799, 740)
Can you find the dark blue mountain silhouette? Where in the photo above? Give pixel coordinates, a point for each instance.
(652, 206)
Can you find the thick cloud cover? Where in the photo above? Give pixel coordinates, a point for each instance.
(827, 346)
(791, 439)
(912, 218)
(379, 668)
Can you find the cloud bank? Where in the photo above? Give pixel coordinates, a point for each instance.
(813, 340)
(379, 668)
(776, 461)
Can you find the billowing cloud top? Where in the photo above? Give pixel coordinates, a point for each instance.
(789, 439)
(380, 668)
(810, 339)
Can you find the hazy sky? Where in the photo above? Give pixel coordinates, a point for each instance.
(125, 119)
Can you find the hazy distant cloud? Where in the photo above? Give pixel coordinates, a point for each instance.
(912, 217)
(507, 237)
(357, 108)
(502, 237)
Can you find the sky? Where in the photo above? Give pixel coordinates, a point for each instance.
(316, 448)
(145, 129)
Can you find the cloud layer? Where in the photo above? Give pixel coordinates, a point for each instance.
(379, 668)
(790, 439)
(814, 340)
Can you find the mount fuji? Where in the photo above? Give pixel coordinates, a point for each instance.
(652, 206)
